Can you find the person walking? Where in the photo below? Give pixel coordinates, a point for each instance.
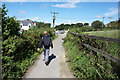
(47, 43)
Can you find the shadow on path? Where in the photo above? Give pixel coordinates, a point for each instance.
(51, 57)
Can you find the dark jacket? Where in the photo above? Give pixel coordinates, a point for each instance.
(42, 41)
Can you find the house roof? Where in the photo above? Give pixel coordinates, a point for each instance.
(26, 22)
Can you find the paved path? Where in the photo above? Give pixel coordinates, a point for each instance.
(57, 67)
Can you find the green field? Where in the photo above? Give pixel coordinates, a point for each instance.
(109, 34)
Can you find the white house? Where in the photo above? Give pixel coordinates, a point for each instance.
(26, 24)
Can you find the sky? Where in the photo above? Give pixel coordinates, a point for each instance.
(68, 12)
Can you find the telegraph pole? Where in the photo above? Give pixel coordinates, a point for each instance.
(110, 18)
(103, 22)
(54, 18)
(110, 21)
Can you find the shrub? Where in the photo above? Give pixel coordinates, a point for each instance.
(19, 52)
(88, 64)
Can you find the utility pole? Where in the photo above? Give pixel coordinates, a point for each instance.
(54, 18)
(110, 18)
(110, 21)
(103, 22)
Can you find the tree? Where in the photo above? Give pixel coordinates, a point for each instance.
(10, 26)
(79, 25)
(0, 19)
(47, 25)
(98, 24)
(28, 19)
(61, 27)
(68, 26)
(43, 25)
(113, 24)
(86, 24)
(119, 22)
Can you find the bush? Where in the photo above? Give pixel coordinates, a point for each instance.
(98, 24)
(82, 29)
(19, 52)
(88, 64)
(10, 26)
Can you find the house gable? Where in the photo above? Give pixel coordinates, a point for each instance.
(26, 24)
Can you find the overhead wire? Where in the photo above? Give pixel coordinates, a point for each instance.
(58, 17)
(85, 18)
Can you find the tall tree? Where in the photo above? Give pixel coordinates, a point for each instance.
(86, 24)
(98, 24)
(0, 18)
(79, 25)
(43, 25)
(10, 26)
(119, 22)
(113, 24)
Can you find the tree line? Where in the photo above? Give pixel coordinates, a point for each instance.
(95, 24)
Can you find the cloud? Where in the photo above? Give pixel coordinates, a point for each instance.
(21, 3)
(43, 5)
(112, 11)
(68, 22)
(59, 0)
(21, 17)
(21, 11)
(67, 5)
(46, 21)
(36, 18)
(98, 16)
(15, 0)
(71, 22)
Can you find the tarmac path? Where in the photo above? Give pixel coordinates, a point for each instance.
(57, 67)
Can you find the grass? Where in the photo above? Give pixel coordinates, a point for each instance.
(113, 48)
(109, 34)
(79, 63)
(85, 63)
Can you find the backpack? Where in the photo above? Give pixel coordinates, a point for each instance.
(46, 41)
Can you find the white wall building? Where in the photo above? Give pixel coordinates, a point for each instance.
(26, 24)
